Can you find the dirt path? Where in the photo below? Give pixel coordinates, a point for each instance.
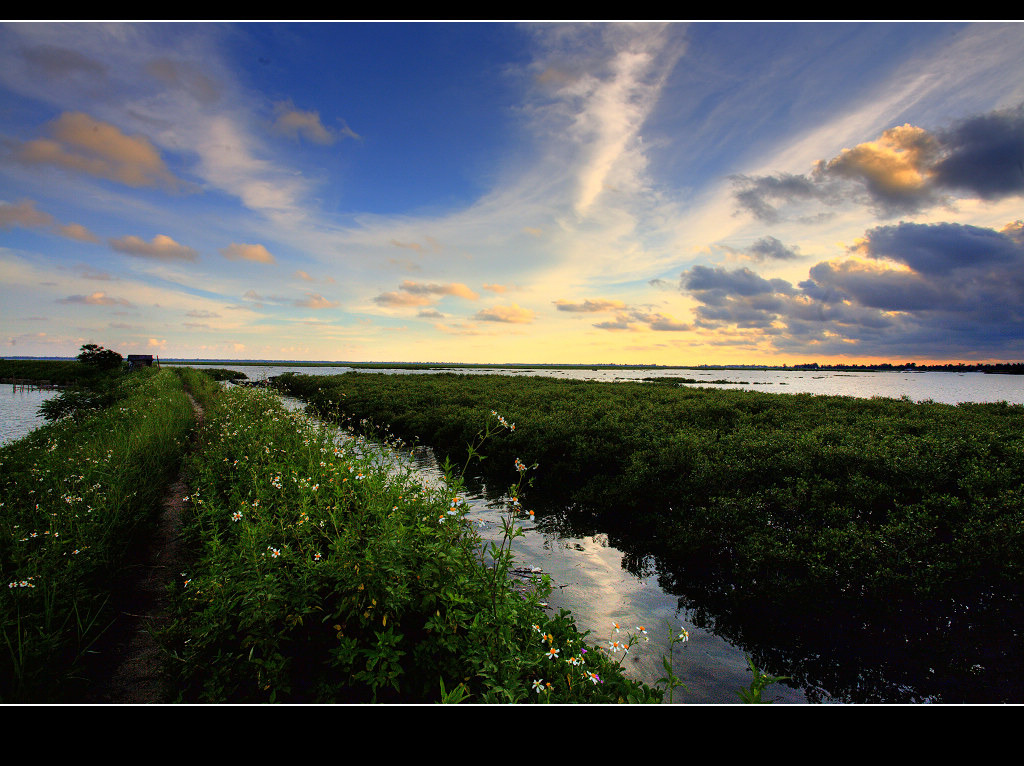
(131, 660)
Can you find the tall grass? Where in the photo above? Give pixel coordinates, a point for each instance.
(74, 496)
(323, 573)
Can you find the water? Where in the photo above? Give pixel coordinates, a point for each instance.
(592, 582)
(18, 410)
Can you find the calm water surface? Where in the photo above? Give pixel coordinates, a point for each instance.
(18, 410)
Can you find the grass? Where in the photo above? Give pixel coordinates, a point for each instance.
(74, 497)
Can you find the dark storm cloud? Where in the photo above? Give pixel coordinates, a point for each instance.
(986, 155)
(719, 281)
(885, 289)
(944, 247)
(940, 290)
(905, 170)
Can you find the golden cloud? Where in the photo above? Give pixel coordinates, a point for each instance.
(896, 164)
(87, 145)
(237, 252)
(452, 288)
(77, 231)
(512, 313)
(590, 305)
(296, 123)
(161, 246)
(316, 301)
(401, 299)
(23, 214)
(412, 293)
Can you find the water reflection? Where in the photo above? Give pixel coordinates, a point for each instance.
(602, 579)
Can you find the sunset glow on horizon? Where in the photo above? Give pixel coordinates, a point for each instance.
(499, 193)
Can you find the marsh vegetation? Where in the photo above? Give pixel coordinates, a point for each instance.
(870, 548)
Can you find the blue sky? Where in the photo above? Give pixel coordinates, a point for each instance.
(667, 193)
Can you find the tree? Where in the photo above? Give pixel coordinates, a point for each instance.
(99, 357)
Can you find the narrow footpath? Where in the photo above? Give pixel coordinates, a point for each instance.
(130, 659)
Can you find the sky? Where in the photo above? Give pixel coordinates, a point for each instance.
(672, 193)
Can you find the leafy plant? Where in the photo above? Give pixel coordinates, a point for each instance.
(752, 694)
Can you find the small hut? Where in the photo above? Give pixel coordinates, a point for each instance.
(135, 361)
